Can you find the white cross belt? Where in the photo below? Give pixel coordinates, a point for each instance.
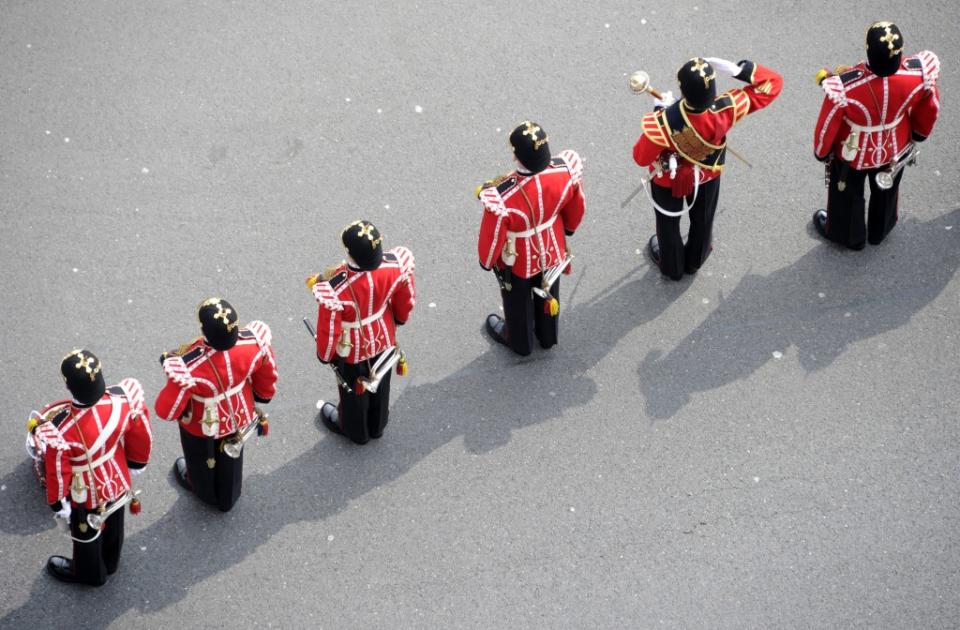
(98, 462)
(366, 321)
(528, 233)
(233, 391)
(875, 128)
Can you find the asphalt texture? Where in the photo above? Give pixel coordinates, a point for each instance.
(772, 443)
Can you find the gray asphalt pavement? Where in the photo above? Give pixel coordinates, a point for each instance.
(769, 444)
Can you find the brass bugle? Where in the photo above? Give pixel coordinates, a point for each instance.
(886, 177)
(551, 276)
(380, 369)
(97, 519)
(233, 446)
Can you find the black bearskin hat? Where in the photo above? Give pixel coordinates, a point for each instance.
(81, 372)
(363, 242)
(884, 48)
(218, 322)
(529, 143)
(698, 83)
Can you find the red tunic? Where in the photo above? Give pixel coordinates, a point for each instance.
(537, 211)
(368, 305)
(95, 443)
(869, 121)
(227, 379)
(709, 127)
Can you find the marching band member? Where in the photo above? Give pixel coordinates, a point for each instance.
(213, 383)
(361, 303)
(527, 216)
(684, 144)
(872, 115)
(92, 446)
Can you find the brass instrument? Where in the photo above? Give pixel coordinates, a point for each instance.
(886, 177)
(381, 368)
(233, 446)
(550, 277)
(97, 519)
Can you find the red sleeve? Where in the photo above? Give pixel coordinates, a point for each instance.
(828, 126)
(645, 151)
(138, 440)
(328, 328)
(264, 378)
(59, 473)
(572, 212)
(924, 114)
(172, 401)
(493, 234)
(764, 88)
(403, 298)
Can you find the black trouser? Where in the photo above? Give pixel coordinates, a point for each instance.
(845, 224)
(363, 416)
(93, 561)
(675, 258)
(524, 312)
(218, 485)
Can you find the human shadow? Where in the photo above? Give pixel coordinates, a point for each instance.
(483, 402)
(22, 510)
(822, 303)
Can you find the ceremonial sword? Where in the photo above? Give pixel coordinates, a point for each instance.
(340, 381)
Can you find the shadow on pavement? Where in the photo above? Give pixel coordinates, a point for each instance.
(865, 294)
(191, 543)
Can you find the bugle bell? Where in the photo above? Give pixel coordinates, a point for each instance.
(380, 369)
(97, 519)
(886, 177)
(233, 446)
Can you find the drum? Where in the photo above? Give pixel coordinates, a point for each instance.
(36, 445)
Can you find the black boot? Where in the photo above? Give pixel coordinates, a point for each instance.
(497, 328)
(330, 418)
(820, 223)
(61, 568)
(180, 472)
(653, 249)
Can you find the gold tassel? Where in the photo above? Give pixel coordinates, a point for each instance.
(32, 424)
(402, 367)
(312, 280)
(552, 307)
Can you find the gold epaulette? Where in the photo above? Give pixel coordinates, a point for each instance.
(183, 349)
(653, 130)
(325, 276)
(331, 271)
(490, 183)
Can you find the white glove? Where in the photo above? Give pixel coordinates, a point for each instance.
(136, 471)
(666, 100)
(65, 510)
(723, 66)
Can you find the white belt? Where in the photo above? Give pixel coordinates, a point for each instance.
(528, 233)
(368, 320)
(100, 461)
(233, 391)
(875, 128)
